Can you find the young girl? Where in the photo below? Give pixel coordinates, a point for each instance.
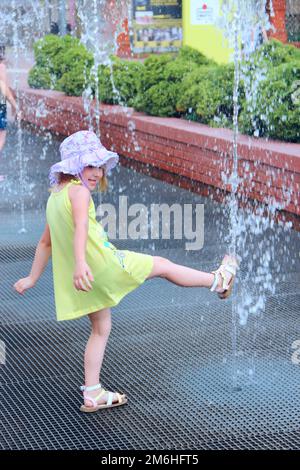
(5, 94)
(90, 274)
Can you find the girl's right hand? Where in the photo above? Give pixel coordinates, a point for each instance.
(82, 277)
(23, 284)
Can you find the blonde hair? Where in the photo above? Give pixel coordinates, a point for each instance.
(65, 178)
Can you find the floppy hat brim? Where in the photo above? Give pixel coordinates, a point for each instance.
(75, 165)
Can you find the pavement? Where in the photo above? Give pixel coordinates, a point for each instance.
(195, 376)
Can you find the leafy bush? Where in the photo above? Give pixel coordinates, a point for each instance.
(40, 77)
(52, 55)
(76, 71)
(206, 95)
(188, 54)
(159, 100)
(77, 55)
(153, 71)
(118, 84)
(46, 49)
(275, 53)
(276, 113)
(188, 85)
(160, 84)
(75, 81)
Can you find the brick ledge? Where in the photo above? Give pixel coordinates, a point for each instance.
(187, 149)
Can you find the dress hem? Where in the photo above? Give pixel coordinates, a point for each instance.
(82, 313)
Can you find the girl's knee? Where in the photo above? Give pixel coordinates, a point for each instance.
(102, 329)
(101, 322)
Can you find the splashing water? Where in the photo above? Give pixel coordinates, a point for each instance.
(242, 21)
(19, 151)
(246, 16)
(100, 22)
(19, 29)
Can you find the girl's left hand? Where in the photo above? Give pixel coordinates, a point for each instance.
(23, 284)
(82, 277)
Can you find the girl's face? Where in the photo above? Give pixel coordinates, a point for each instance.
(92, 176)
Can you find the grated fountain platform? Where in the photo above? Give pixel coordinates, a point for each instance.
(170, 348)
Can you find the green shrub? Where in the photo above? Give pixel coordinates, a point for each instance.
(75, 81)
(45, 49)
(118, 83)
(257, 67)
(275, 53)
(40, 77)
(177, 70)
(76, 71)
(56, 55)
(190, 93)
(75, 56)
(188, 85)
(160, 84)
(190, 55)
(206, 95)
(159, 100)
(269, 80)
(276, 111)
(153, 71)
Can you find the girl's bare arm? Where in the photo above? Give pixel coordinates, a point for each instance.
(41, 258)
(80, 200)
(4, 84)
(42, 255)
(5, 90)
(11, 99)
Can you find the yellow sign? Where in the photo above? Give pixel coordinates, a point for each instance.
(201, 30)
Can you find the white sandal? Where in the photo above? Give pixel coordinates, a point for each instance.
(231, 266)
(122, 399)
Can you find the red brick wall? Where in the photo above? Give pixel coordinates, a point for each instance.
(196, 153)
(278, 20)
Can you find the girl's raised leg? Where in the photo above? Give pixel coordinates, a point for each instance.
(183, 275)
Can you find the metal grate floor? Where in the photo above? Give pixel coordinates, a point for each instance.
(170, 350)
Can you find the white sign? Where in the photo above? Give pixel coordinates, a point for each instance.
(204, 12)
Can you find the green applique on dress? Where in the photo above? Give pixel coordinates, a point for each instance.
(121, 257)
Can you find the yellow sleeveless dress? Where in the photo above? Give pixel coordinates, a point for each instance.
(116, 272)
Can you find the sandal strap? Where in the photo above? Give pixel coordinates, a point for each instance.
(215, 283)
(110, 396)
(230, 268)
(100, 394)
(109, 399)
(219, 271)
(90, 388)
